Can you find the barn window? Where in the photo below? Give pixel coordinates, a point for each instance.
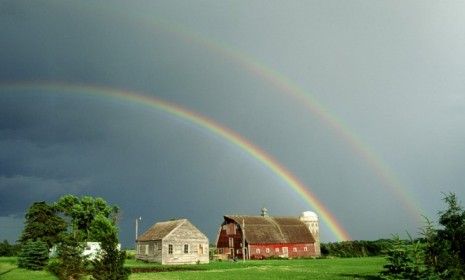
(170, 249)
(257, 251)
(231, 242)
(267, 250)
(231, 229)
(276, 250)
(186, 248)
(294, 249)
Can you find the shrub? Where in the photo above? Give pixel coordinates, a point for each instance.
(69, 264)
(33, 255)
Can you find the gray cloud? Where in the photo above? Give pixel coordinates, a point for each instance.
(391, 73)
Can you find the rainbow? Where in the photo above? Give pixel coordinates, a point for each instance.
(386, 175)
(203, 122)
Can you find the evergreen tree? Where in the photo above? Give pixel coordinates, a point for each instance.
(69, 263)
(445, 250)
(42, 222)
(33, 255)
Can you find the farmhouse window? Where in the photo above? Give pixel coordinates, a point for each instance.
(294, 249)
(201, 249)
(276, 250)
(257, 251)
(267, 250)
(186, 248)
(305, 248)
(138, 249)
(170, 249)
(147, 249)
(220, 250)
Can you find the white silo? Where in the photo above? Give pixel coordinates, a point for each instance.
(311, 220)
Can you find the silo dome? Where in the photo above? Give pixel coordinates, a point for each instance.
(309, 216)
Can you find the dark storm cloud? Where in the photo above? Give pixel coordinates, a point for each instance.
(392, 73)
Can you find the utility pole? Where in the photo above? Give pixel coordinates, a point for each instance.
(137, 230)
(243, 241)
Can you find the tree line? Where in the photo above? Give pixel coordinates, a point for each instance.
(356, 248)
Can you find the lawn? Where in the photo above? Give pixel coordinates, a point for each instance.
(350, 268)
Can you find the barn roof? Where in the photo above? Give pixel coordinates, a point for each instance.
(160, 230)
(276, 230)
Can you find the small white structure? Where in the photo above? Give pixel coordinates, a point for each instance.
(173, 242)
(91, 250)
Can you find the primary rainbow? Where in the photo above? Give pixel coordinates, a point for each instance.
(208, 124)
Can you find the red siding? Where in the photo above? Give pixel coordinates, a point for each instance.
(278, 250)
(223, 244)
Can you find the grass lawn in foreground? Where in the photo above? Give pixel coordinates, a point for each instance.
(350, 268)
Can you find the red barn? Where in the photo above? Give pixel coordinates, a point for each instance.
(263, 236)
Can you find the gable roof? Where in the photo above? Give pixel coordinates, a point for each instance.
(160, 230)
(273, 230)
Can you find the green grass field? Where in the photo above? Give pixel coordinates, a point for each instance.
(350, 268)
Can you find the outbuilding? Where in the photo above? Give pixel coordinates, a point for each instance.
(173, 242)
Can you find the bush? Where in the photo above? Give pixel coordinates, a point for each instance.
(69, 264)
(9, 250)
(33, 255)
(406, 261)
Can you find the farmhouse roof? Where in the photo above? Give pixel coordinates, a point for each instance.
(160, 230)
(276, 230)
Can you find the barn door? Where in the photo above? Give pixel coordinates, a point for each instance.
(285, 252)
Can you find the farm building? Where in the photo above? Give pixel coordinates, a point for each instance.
(173, 242)
(263, 236)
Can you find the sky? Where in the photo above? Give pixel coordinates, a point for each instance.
(362, 102)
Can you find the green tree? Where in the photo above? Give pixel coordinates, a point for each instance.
(69, 263)
(110, 263)
(405, 260)
(440, 254)
(82, 212)
(33, 255)
(445, 250)
(89, 219)
(42, 222)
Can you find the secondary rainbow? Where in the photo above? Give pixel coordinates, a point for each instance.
(201, 121)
